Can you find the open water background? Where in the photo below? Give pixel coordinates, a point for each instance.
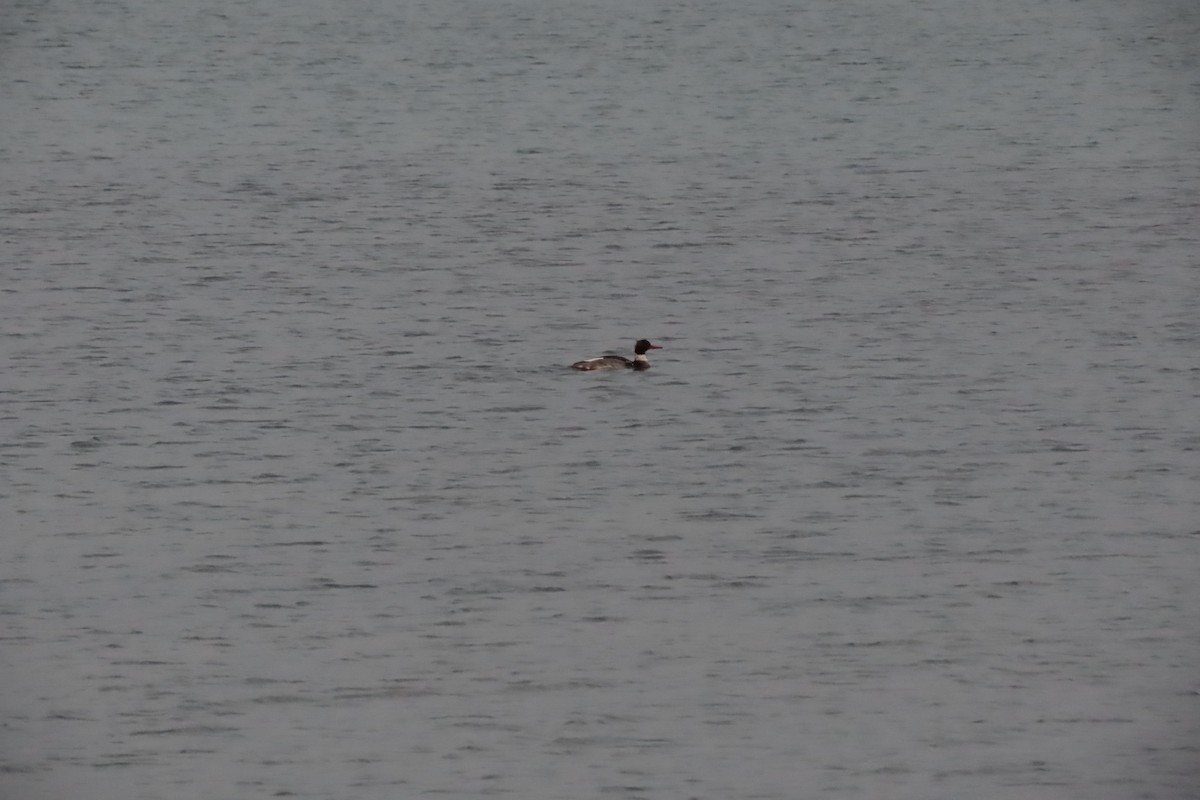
(299, 499)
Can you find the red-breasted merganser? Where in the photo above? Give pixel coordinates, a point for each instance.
(621, 362)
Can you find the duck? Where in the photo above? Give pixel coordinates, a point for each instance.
(638, 362)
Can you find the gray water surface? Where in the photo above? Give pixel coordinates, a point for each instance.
(299, 499)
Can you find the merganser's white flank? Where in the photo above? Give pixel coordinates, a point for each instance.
(620, 362)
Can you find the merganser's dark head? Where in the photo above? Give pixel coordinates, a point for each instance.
(643, 345)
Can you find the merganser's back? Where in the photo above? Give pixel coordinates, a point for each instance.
(639, 360)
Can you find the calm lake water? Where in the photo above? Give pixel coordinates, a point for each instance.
(299, 498)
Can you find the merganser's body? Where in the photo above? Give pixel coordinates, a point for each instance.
(639, 360)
